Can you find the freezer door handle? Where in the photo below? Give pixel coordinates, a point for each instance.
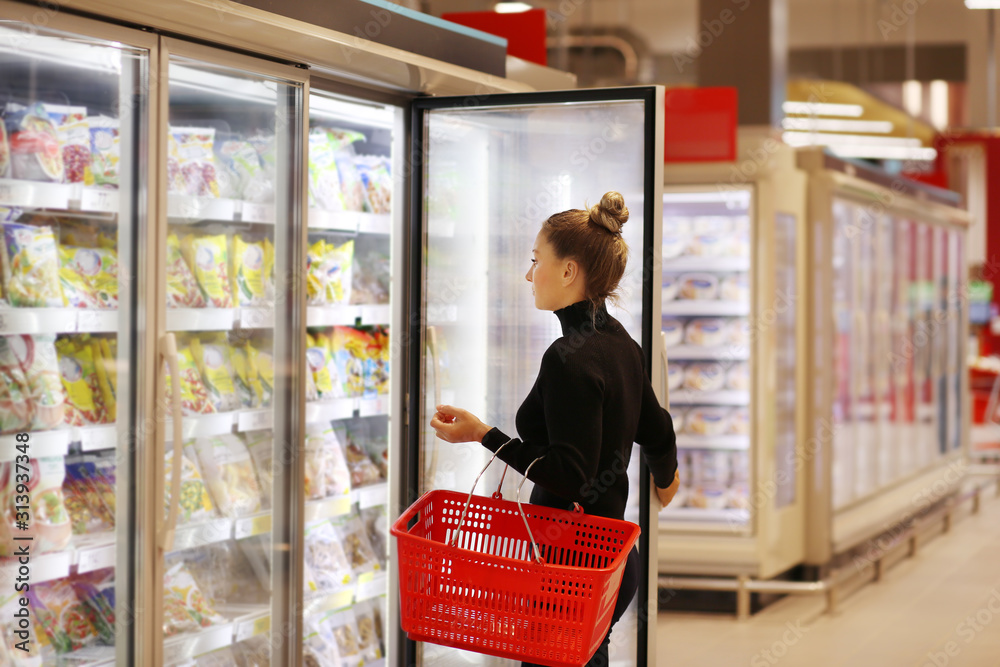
(664, 384)
(168, 351)
(432, 346)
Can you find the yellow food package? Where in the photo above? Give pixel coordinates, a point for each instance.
(262, 364)
(110, 362)
(77, 290)
(76, 369)
(182, 288)
(269, 286)
(249, 272)
(241, 377)
(194, 396)
(31, 266)
(209, 258)
(103, 383)
(315, 284)
(213, 358)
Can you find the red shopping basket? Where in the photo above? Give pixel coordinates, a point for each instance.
(484, 574)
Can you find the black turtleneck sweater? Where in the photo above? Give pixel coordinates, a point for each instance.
(590, 402)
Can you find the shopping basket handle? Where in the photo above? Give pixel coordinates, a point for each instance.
(534, 545)
(461, 521)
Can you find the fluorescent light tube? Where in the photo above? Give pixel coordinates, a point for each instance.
(884, 152)
(837, 125)
(823, 109)
(824, 139)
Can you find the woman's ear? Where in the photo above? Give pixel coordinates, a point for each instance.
(571, 271)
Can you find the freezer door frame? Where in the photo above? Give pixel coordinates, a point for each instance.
(652, 96)
(136, 544)
(290, 325)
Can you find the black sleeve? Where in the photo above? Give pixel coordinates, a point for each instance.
(572, 399)
(656, 437)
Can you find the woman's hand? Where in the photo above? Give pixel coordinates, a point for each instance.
(458, 425)
(667, 494)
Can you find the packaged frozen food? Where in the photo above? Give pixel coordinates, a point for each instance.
(707, 245)
(376, 176)
(74, 137)
(213, 359)
(739, 332)
(79, 379)
(330, 268)
(675, 375)
(371, 277)
(195, 502)
(194, 395)
(328, 148)
(679, 418)
(83, 483)
(739, 245)
(735, 288)
(185, 608)
(704, 376)
(325, 555)
(315, 463)
(707, 421)
(673, 332)
(191, 162)
(182, 288)
(739, 465)
(76, 291)
(376, 525)
(670, 289)
(228, 471)
(370, 355)
(241, 377)
(49, 526)
(240, 172)
(261, 365)
(253, 652)
(81, 519)
(40, 364)
(15, 395)
(345, 632)
(381, 370)
(34, 144)
(63, 620)
(712, 224)
(368, 640)
(319, 645)
(738, 377)
(358, 548)
(700, 286)
(105, 150)
(106, 369)
(31, 266)
(224, 574)
(223, 657)
(739, 421)
(260, 444)
(349, 347)
(705, 332)
(363, 469)
(673, 246)
(209, 259)
(249, 272)
(336, 474)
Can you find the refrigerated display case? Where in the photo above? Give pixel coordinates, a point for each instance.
(732, 329)
(888, 415)
(73, 137)
(487, 176)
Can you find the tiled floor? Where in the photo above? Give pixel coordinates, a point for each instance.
(940, 608)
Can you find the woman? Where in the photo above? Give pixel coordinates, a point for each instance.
(592, 398)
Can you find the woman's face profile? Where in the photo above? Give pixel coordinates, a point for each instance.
(545, 274)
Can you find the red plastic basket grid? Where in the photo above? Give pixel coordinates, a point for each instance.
(487, 594)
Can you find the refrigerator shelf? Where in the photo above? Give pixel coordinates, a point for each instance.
(193, 426)
(347, 315)
(345, 408)
(187, 646)
(343, 597)
(57, 320)
(57, 196)
(200, 534)
(94, 438)
(372, 496)
(725, 397)
(695, 515)
(91, 656)
(328, 508)
(250, 620)
(706, 308)
(249, 526)
(719, 353)
(185, 209)
(41, 444)
(372, 587)
(94, 551)
(45, 567)
(695, 263)
(713, 441)
(254, 420)
(200, 319)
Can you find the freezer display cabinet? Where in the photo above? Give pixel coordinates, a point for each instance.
(731, 334)
(73, 216)
(888, 416)
(488, 175)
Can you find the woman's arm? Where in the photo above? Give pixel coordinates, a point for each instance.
(656, 437)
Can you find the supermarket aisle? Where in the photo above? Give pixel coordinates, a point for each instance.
(947, 598)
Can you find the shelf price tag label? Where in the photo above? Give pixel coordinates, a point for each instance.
(95, 558)
(250, 526)
(99, 200)
(255, 420)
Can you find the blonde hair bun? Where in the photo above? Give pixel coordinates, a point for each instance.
(611, 213)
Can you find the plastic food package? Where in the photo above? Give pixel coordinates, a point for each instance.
(105, 150)
(213, 359)
(261, 447)
(315, 463)
(74, 136)
(80, 516)
(4, 152)
(351, 184)
(31, 266)
(224, 574)
(671, 287)
(376, 176)
(249, 273)
(738, 377)
(49, 524)
(323, 368)
(253, 652)
(319, 646)
(328, 148)
(706, 332)
(15, 638)
(363, 469)
(77, 293)
(262, 373)
(208, 257)
(371, 277)
(195, 503)
(329, 268)
(336, 474)
(348, 346)
(184, 606)
(241, 377)
(85, 400)
(704, 377)
(739, 422)
(673, 331)
(223, 657)
(191, 162)
(345, 632)
(241, 174)
(326, 557)
(83, 483)
(707, 421)
(380, 371)
(96, 269)
(37, 358)
(675, 376)
(699, 286)
(229, 474)
(257, 550)
(707, 245)
(194, 395)
(15, 395)
(673, 245)
(182, 288)
(63, 620)
(735, 288)
(34, 144)
(376, 525)
(679, 418)
(358, 548)
(369, 641)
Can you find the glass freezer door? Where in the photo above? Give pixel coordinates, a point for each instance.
(232, 167)
(73, 208)
(488, 171)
